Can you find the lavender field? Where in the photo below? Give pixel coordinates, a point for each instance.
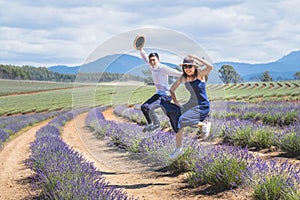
(242, 130)
(62, 173)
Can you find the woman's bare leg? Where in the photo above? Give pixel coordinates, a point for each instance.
(179, 138)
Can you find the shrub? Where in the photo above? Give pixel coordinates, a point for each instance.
(262, 138)
(289, 139)
(249, 134)
(274, 179)
(183, 162)
(222, 166)
(275, 187)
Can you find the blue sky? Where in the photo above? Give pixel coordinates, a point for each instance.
(46, 33)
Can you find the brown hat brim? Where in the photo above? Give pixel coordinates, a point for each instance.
(186, 64)
(194, 64)
(139, 42)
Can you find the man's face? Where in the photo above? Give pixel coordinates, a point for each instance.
(153, 61)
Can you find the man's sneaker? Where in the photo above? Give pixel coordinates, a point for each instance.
(206, 129)
(154, 127)
(176, 153)
(147, 127)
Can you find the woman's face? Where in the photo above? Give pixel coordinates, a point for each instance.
(189, 69)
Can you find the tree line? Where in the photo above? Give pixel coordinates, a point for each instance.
(228, 74)
(26, 72)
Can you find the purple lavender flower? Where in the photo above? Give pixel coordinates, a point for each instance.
(62, 172)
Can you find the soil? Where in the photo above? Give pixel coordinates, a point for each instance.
(123, 170)
(120, 168)
(15, 177)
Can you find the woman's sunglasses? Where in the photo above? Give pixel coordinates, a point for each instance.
(187, 66)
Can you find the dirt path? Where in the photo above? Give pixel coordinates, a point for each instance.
(14, 176)
(120, 168)
(123, 171)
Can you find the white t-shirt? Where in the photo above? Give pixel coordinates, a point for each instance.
(160, 75)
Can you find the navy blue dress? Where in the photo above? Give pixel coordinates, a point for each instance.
(195, 110)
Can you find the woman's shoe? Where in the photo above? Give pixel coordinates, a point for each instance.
(176, 153)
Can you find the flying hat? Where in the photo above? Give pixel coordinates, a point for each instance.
(139, 42)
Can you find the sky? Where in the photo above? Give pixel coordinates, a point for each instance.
(46, 33)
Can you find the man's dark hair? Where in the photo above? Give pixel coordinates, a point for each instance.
(154, 54)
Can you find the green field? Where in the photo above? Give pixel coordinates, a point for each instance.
(263, 91)
(25, 97)
(8, 87)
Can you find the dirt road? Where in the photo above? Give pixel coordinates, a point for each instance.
(14, 175)
(125, 172)
(121, 169)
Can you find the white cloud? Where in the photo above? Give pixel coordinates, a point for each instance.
(57, 32)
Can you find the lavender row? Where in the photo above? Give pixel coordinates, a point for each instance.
(225, 166)
(270, 113)
(230, 167)
(131, 137)
(245, 124)
(132, 113)
(10, 125)
(135, 114)
(127, 135)
(61, 172)
(260, 136)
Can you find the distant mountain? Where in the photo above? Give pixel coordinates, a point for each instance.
(62, 69)
(117, 63)
(276, 76)
(282, 69)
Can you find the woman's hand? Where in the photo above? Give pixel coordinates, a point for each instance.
(200, 60)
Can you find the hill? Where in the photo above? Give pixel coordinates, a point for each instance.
(117, 63)
(282, 69)
(62, 69)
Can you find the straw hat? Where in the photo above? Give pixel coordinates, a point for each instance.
(190, 61)
(139, 42)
